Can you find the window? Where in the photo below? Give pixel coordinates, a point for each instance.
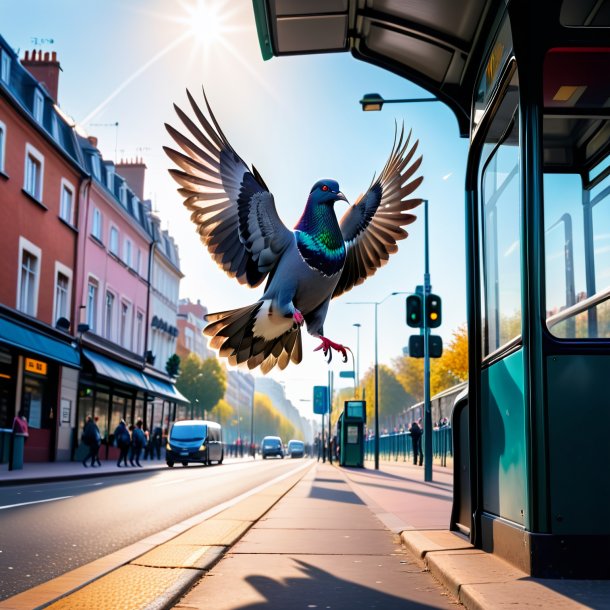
(5, 67)
(34, 168)
(96, 224)
(2, 145)
(127, 252)
(62, 296)
(138, 260)
(92, 291)
(125, 311)
(110, 177)
(38, 106)
(189, 339)
(576, 194)
(29, 276)
(135, 202)
(55, 127)
(123, 194)
(114, 241)
(108, 315)
(139, 331)
(95, 166)
(66, 204)
(500, 214)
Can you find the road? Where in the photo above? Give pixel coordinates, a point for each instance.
(48, 529)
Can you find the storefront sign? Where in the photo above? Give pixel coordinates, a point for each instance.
(35, 366)
(66, 409)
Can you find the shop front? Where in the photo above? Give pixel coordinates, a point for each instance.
(38, 378)
(112, 390)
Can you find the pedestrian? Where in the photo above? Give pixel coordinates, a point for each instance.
(122, 438)
(317, 443)
(416, 433)
(138, 440)
(92, 439)
(20, 425)
(147, 444)
(156, 441)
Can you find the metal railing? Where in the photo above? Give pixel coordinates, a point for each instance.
(399, 446)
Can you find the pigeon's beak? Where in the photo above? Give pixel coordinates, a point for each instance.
(341, 197)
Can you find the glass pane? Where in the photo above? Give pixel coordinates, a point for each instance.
(500, 227)
(577, 193)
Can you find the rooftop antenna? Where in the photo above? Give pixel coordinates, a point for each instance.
(116, 134)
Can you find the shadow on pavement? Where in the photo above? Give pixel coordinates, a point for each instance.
(335, 495)
(320, 589)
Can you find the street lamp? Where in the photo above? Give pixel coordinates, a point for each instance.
(376, 304)
(374, 101)
(357, 325)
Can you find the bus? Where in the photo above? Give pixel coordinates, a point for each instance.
(529, 86)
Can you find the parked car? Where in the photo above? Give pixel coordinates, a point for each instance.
(194, 440)
(272, 445)
(296, 449)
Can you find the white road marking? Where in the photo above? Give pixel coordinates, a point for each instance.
(168, 483)
(34, 502)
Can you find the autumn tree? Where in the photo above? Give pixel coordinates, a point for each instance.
(223, 412)
(203, 382)
(455, 357)
(393, 398)
(268, 421)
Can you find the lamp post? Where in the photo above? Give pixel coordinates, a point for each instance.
(376, 304)
(357, 325)
(374, 101)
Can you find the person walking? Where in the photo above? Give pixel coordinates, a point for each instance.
(123, 441)
(138, 440)
(156, 441)
(416, 434)
(93, 439)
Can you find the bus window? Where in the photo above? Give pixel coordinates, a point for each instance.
(500, 225)
(577, 192)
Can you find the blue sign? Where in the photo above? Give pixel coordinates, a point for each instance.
(320, 399)
(348, 374)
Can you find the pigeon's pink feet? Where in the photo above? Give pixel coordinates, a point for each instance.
(327, 346)
(297, 316)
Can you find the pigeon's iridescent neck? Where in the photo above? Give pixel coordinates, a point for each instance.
(319, 239)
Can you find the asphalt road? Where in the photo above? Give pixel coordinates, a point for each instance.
(47, 529)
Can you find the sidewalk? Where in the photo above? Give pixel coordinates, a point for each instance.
(325, 539)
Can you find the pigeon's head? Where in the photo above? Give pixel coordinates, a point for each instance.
(326, 192)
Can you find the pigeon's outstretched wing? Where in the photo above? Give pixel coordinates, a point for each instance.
(231, 205)
(372, 226)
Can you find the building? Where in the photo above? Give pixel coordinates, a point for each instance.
(240, 395)
(40, 181)
(83, 267)
(190, 330)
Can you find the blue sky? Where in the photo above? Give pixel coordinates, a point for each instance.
(297, 119)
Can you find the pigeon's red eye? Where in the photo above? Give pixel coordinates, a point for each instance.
(324, 188)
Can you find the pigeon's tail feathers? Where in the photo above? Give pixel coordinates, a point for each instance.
(232, 334)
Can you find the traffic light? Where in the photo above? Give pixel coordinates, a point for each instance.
(415, 318)
(416, 346)
(433, 310)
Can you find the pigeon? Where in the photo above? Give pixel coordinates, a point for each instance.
(304, 268)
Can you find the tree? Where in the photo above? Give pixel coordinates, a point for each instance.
(172, 366)
(455, 357)
(202, 382)
(268, 421)
(222, 412)
(393, 398)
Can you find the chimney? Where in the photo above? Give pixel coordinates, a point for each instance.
(133, 171)
(45, 68)
(92, 140)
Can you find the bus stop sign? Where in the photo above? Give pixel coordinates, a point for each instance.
(320, 399)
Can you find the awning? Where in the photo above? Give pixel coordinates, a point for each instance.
(122, 373)
(106, 367)
(34, 342)
(162, 388)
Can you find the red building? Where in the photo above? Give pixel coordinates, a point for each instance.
(40, 177)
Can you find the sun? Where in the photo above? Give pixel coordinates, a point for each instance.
(205, 20)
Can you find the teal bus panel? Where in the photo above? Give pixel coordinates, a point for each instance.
(579, 450)
(503, 439)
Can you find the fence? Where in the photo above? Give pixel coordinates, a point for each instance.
(399, 446)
